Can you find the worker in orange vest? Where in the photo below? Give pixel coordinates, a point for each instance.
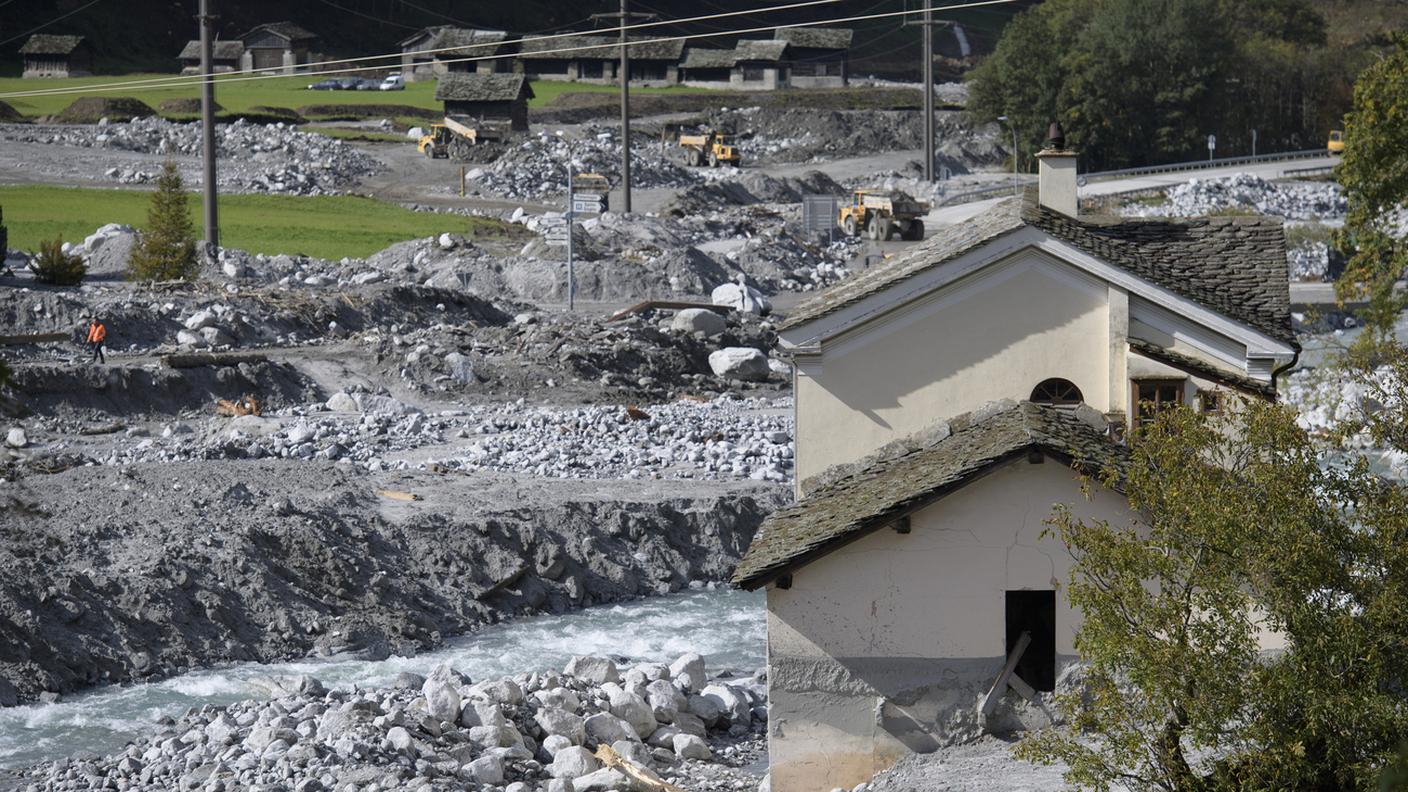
(97, 333)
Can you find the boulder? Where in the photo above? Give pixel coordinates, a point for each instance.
(216, 336)
(688, 670)
(188, 338)
(687, 746)
(108, 249)
(708, 709)
(399, 738)
(603, 780)
(573, 762)
(488, 769)
(633, 710)
(201, 319)
(604, 727)
(733, 702)
(562, 723)
(699, 320)
(382, 405)
(590, 668)
(16, 438)
(745, 363)
(741, 297)
(343, 402)
(441, 694)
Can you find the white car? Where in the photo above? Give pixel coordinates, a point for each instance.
(393, 83)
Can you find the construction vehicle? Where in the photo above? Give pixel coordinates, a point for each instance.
(1336, 143)
(879, 215)
(458, 134)
(712, 147)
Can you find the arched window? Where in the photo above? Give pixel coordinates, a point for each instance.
(1056, 393)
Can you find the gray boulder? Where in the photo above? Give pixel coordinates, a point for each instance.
(573, 762)
(745, 363)
(699, 320)
(590, 668)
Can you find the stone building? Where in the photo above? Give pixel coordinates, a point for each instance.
(435, 51)
(278, 45)
(752, 64)
(224, 56)
(48, 55)
(817, 57)
(595, 58)
(486, 97)
(945, 402)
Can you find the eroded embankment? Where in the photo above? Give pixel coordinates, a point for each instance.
(115, 574)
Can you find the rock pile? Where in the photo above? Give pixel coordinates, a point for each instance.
(536, 168)
(811, 135)
(1289, 200)
(274, 158)
(537, 732)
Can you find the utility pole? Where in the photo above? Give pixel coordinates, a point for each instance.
(207, 114)
(928, 24)
(623, 17)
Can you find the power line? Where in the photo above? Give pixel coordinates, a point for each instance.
(58, 18)
(355, 12)
(191, 80)
(179, 80)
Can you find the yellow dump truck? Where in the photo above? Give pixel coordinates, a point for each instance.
(712, 147)
(880, 215)
(1336, 142)
(457, 134)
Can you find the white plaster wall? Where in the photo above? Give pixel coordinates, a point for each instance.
(992, 336)
(936, 594)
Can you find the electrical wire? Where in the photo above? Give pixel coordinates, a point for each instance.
(178, 81)
(377, 19)
(183, 82)
(58, 18)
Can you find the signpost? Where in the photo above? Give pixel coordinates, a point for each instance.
(559, 230)
(1212, 146)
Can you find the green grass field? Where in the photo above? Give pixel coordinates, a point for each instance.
(240, 95)
(328, 227)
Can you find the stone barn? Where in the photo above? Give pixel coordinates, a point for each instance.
(224, 57)
(752, 64)
(278, 45)
(434, 51)
(817, 57)
(912, 569)
(48, 55)
(597, 59)
(486, 97)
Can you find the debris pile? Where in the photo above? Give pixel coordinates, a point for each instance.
(590, 727)
(274, 158)
(1246, 192)
(811, 135)
(536, 168)
(1309, 262)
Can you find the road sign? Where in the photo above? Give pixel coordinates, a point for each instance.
(588, 203)
(556, 232)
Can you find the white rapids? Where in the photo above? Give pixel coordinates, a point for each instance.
(727, 627)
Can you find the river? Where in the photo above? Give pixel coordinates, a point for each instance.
(727, 627)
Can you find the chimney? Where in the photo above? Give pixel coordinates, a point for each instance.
(1056, 180)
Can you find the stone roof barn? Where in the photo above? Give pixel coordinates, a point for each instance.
(486, 97)
(596, 58)
(225, 56)
(47, 55)
(433, 51)
(946, 402)
(279, 45)
(818, 57)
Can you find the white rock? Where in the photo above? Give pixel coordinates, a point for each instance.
(699, 320)
(447, 242)
(201, 319)
(688, 669)
(741, 297)
(191, 339)
(441, 696)
(415, 133)
(16, 438)
(216, 336)
(399, 738)
(603, 780)
(603, 727)
(573, 762)
(562, 723)
(687, 746)
(633, 710)
(383, 405)
(590, 668)
(342, 402)
(733, 702)
(745, 363)
(486, 770)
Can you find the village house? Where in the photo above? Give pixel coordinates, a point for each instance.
(434, 51)
(596, 59)
(486, 97)
(945, 403)
(816, 57)
(48, 55)
(752, 64)
(278, 45)
(224, 57)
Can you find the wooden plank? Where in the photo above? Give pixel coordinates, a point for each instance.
(198, 359)
(33, 338)
(999, 685)
(674, 305)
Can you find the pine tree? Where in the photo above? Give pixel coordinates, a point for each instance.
(4, 236)
(168, 249)
(54, 266)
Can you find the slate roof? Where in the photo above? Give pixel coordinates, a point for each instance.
(289, 30)
(1202, 368)
(48, 44)
(1235, 266)
(886, 490)
(602, 47)
(453, 41)
(220, 50)
(468, 87)
(816, 37)
(700, 58)
(759, 50)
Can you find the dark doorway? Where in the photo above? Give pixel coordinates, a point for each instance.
(1034, 612)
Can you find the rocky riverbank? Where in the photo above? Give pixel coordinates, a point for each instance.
(589, 727)
(124, 573)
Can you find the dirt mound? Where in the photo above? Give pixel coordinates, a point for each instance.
(357, 112)
(751, 188)
(185, 106)
(101, 392)
(9, 115)
(264, 114)
(90, 109)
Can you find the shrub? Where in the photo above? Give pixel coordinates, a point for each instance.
(4, 236)
(53, 265)
(168, 249)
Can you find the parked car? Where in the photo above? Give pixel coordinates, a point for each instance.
(393, 83)
(326, 85)
(349, 83)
